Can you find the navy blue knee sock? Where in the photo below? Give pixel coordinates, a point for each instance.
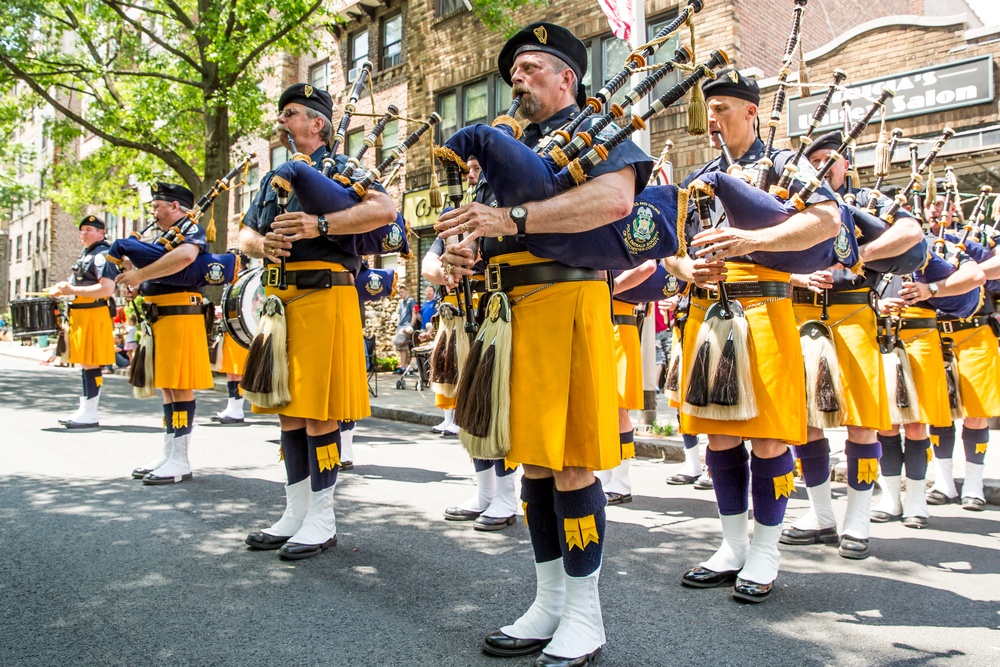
(892, 455)
(538, 496)
(815, 458)
(168, 417)
(324, 460)
(771, 482)
(92, 381)
(690, 441)
(975, 441)
(915, 458)
(482, 464)
(294, 451)
(943, 441)
(862, 464)
(580, 520)
(731, 477)
(503, 467)
(347, 426)
(234, 388)
(183, 417)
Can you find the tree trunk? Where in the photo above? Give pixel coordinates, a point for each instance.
(216, 166)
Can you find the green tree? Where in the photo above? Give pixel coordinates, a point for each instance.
(171, 83)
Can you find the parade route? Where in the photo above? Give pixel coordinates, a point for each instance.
(98, 569)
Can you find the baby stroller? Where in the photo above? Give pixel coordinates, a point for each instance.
(419, 367)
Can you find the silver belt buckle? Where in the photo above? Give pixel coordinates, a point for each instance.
(493, 278)
(947, 327)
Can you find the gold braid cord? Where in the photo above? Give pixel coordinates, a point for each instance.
(576, 171)
(279, 182)
(445, 154)
(682, 207)
(559, 157)
(509, 122)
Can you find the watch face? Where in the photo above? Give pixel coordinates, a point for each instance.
(519, 212)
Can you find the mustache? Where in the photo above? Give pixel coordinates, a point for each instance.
(519, 90)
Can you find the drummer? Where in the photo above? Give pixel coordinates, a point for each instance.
(91, 332)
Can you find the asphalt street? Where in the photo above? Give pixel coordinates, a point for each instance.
(97, 569)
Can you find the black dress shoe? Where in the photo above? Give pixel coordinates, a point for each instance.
(853, 547)
(702, 577)
(878, 516)
(295, 551)
(491, 523)
(459, 514)
(230, 420)
(618, 498)
(139, 473)
(153, 480)
(503, 645)
(545, 660)
(749, 591)
(679, 479)
(801, 536)
(346, 465)
(703, 484)
(973, 504)
(935, 497)
(918, 522)
(80, 425)
(216, 418)
(264, 542)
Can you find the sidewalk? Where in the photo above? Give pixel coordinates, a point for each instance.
(416, 406)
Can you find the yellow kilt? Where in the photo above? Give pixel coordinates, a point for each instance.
(443, 402)
(234, 356)
(978, 371)
(862, 374)
(775, 354)
(180, 353)
(923, 347)
(91, 334)
(326, 360)
(564, 404)
(628, 359)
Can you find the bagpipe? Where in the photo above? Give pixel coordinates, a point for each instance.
(916, 175)
(207, 268)
(962, 243)
(374, 284)
(658, 286)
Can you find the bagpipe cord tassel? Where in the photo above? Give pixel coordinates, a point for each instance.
(697, 108)
(210, 231)
(436, 197)
(882, 155)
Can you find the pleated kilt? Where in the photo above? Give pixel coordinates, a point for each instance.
(978, 371)
(628, 360)
(234, 356)
(91, 334)
(923, 348)
(775, 356)
(326, 358)
(862, 373)
(180, 345)
(564, 401)
(443, 402)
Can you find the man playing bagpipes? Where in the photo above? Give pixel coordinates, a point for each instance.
(91, 332)
(844, 367)
(494, 504)
(562, 400)
(747, 383)
(973, 344)
(173, 320)
(318, 313)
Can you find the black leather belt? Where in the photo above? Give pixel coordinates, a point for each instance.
(478, 286)
(100, 303)
(503, 278)
(747, 290)
(625, 319)
(951, 326)
(307, 279)
(801, 295)
(918, 323)
(154, 312)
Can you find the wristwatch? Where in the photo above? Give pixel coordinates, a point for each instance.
(519, 215)
(322, 225)
(933, 287)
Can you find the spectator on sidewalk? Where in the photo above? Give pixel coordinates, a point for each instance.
(404, 327)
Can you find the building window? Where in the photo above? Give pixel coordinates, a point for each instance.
(446, 7)
(38, 285)
(390, 139)
(614, 51)
(355, 140)
(17, 252)
(45, 275)
(27, 246)
(476, 102)
(359, 50)
(17, 288)
(248, 190)
(38, 236)
(448, 110)
(319, 75)
(27, 284)
(279, 156)
(392, 41)
(45, 234)
(665, 53)
(503, 97)
(476, 107)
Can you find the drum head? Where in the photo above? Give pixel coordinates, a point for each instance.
(242, 302)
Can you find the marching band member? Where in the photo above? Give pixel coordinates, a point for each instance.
(775, 361)
(326, 363)
(176, 314)
(234, 359)
(864, 410)
(91, 332)
(563, 402)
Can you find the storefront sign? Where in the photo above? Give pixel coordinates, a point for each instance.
(417, 209)
(928, 90)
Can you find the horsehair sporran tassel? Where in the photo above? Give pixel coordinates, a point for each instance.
(484, 394)
(823, 388)
(143, 369)
(265, 378)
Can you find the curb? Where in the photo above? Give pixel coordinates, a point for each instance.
(404, 415)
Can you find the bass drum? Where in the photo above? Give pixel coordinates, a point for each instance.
(34, 317)
(241, 305)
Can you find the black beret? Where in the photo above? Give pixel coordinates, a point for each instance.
(548, 38)
(730, 83)
(92, 221)
(172, 192)
(831, 140)
(307, 96)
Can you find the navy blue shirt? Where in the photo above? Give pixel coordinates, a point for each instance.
(93, 265)
(193, 234)
(264, 209)
(626, 154)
